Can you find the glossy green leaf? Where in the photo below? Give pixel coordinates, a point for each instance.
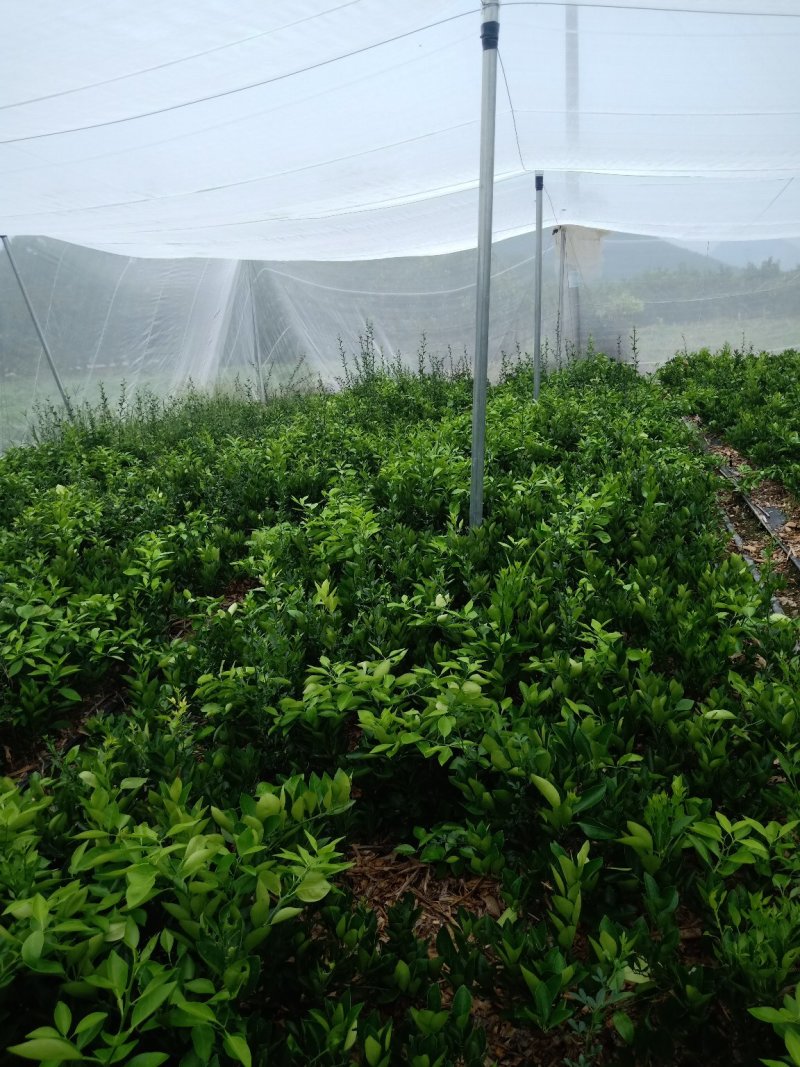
(47, 1048)
(236, 1046)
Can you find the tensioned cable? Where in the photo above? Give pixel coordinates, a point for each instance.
(176, 62)
(519, 147)
(725, 174)
(53, 290)
(242, 88)
(727, 296)
(110, 308)
(663, 114)
(390, 292)
(650, 7)
(513, 114)
(252, 181)
(469, 185)
(204, 131)
(777, 197)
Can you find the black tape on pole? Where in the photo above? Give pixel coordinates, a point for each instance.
(539, 182)
(490, 34)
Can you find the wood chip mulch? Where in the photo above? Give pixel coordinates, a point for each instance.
(237, 590)
(23, 755)
(771, 497)
(768, 495)
(757, 544)
(380, 878)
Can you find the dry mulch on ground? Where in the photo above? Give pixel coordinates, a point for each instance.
(779, 508)
(380, 878)
(760, 547)
(23, 756)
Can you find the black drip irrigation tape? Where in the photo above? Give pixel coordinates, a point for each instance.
(771, 519)
(777, 607)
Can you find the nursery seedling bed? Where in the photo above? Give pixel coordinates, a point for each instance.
(387, 791)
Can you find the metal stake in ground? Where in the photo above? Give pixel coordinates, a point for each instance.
(490, 31)
(37, 327)
(537, 325)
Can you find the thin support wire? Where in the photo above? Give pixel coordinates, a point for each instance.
(37, 327)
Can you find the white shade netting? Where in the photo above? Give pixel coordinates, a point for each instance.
(244, 184)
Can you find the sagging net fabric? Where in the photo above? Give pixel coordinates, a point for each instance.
(349, 129)
(162, 324)
(320, 159)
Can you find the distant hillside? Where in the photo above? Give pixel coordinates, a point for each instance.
(626, 255)
(741, 253)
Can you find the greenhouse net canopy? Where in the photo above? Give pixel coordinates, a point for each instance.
(316, 132)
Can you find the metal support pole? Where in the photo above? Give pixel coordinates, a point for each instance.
(537, 325)
(574, 279)
(256, 339)
(37, 327)
(490, 31)
(572, 74)
(562, 266)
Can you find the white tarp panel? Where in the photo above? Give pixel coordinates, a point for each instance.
(325, 130)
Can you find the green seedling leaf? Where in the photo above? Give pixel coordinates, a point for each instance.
(96, 1018)
(117, 973)
(548, 790)
(63, 1018)
(141, 880)
(373, 1051)
(236, 1047)
(203, 1042)
(792, 1040)
(429, 1022)
(282, 914)
(47, 1048)
(767, 1015)
(313, 888)
(623, 1024)
(462, 1002)
(32, 947)
(151, 1000)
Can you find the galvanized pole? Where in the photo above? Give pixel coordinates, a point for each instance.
(574, 279)
(37, 327)
(562, 263)
(490, 31)
(256, 339)
(572, 73)
(537, 326)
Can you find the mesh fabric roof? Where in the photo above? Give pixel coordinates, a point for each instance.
(317, 129)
